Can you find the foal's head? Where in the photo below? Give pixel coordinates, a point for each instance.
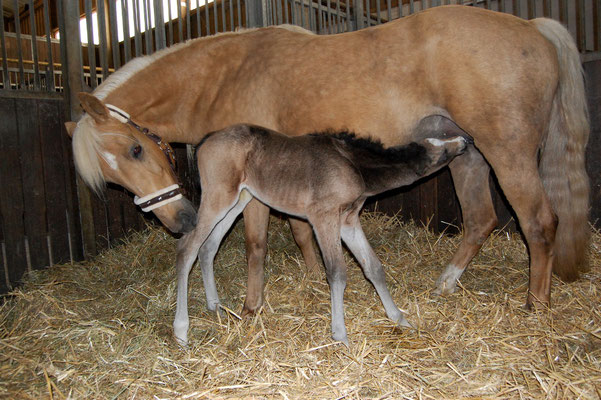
(107, 148)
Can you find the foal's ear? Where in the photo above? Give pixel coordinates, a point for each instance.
(70, 125)
(94, 107)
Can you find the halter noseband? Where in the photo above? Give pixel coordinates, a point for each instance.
(162, 196)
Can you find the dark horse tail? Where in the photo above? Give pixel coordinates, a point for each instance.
(562, 164)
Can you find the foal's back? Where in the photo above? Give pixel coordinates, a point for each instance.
(292, 174)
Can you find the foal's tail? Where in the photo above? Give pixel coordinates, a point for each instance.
(562, 164)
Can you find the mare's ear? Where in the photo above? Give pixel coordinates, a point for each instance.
(70, 127)
(94, 107)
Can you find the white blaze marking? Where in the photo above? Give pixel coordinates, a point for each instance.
(441, 143)
(110, 159)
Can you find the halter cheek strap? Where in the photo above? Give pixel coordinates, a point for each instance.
(162, 196)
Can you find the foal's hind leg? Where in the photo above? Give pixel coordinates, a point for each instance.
(256, 222)
(355, 239)
(303, 236)
(470, 177)
(327, 231)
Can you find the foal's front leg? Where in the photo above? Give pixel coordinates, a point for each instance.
(213, 223)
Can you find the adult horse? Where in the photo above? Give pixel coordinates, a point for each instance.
(516, 86)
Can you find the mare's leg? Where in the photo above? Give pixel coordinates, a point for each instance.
(303, 236)
(256, 222)
(355, 239)
(327, 231)
(213, 222)
(470, 177)
(521, 183)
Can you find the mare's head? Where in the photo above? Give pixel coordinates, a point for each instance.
(107, 148)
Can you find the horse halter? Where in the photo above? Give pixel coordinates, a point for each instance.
(162, 196)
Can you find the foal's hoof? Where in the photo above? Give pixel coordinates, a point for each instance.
(341, 339)
(182, 343)
(402, 322)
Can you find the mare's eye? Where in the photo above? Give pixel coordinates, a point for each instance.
(136, 151)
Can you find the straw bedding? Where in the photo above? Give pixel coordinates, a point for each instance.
(102, 329)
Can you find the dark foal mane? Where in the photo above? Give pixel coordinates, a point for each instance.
(373, 149)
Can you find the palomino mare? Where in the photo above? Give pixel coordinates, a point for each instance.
(323, 178)
(516, 86)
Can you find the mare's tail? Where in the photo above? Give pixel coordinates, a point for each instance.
(562, 164)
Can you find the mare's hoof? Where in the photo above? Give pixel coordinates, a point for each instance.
(444, 287)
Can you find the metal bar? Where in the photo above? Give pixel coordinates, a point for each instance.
(368, 12)
(198, 25)
(239, 13)
(114, 36)
(49, 82)
(312, 24)
(207, 19)
(378, 16)
(91, 47)
(126, 36)
(223, 24)
(34, 47)
(320, 25)
(328, 16)
(338, 17)
(349, 16)
(137, 22)
(147, 27)
(278, 11)
(188, 25)
(101, 13)
(63, 55)
(19, 47)
(389, 9)
(285, 5)
(170, 22)
(302, 11)
(160, 41)
(215, 21)
(5, 77)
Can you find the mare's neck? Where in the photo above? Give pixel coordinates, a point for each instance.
(175, 95)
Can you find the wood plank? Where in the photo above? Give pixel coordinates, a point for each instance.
(593, 152)
(73, 208)
(99, 213)
(114, 214)
(428, 211)
(32, 170)
(11, 201)
(54, 177)
(449, 212)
